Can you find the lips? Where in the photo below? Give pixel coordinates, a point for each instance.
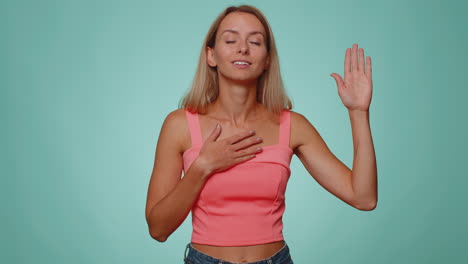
(241, 62)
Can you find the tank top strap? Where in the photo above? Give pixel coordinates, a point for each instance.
(194, 127)
(285, 127)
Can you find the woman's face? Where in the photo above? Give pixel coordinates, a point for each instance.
(240, 52)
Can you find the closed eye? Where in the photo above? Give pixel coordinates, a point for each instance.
(253, 42)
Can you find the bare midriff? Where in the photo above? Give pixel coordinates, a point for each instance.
(240, 254)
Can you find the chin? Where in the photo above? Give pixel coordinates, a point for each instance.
(247, 78)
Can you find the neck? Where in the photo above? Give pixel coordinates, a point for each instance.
(236, 102)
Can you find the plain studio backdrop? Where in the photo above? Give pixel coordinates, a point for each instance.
(86, 85)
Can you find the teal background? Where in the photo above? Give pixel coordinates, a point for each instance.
(86, 85)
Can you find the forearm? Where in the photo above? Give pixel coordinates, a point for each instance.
(170, 212)
(364, 172)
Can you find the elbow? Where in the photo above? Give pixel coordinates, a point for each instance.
(157, 236)
(154, 233)
(160, 238)
(366, 206)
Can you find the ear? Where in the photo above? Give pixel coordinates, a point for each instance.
(267, 63)
(210, 57)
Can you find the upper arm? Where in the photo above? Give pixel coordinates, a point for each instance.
(168, 161)
(319, 161)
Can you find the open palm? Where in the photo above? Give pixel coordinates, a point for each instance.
(355, 90)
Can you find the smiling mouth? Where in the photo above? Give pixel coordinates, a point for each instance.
(241, 62)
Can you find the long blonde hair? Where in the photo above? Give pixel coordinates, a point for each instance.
(205, 90)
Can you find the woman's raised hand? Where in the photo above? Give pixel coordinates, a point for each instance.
(217, 156)
(355, 90)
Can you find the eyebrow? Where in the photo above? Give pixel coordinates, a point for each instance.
(237, 32)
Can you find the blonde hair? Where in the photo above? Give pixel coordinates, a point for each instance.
(205, 90)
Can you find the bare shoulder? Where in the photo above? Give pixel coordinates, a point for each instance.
(301, 130)
(299, 120)
(175, 126)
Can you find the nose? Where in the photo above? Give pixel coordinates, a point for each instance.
(243, 47)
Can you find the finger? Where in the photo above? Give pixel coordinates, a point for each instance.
(369, 68)
(361, 60)
(215, 134)
(246, 143)
(240, 136)
(248, 151)
(347, 62)
(339, 80)
(244, 158)
(354, 58)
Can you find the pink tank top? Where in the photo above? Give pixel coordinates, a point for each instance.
(243, 205)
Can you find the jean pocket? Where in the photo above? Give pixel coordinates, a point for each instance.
(187, 261)
(288, 260)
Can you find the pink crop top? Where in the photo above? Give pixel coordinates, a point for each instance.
(243, 205)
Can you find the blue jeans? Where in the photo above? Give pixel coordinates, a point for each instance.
(196, 257)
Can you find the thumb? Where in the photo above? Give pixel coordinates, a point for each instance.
(338, 79)
(215, 134)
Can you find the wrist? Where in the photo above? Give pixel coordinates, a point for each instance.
(358, 113)
(201, 167)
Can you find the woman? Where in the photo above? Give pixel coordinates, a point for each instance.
(234, 137)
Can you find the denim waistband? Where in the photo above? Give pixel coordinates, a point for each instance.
(196, 257)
